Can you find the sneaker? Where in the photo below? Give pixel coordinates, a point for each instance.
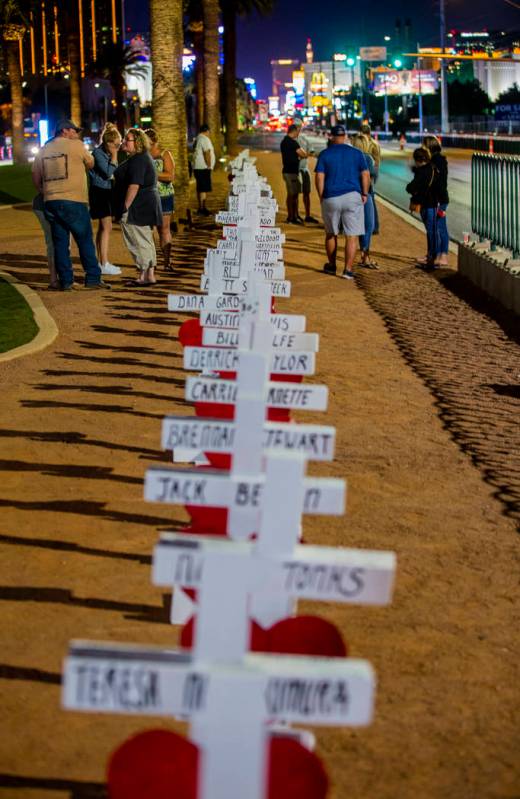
(101, 285)
(348, 275)
(329, 269)
(312, 220)
(110, 269)
(297, 221)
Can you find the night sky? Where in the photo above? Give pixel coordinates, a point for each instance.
(339, 26)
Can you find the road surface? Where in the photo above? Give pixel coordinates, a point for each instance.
(395, 174)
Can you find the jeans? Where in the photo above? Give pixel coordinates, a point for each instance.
(429, 218)
(443, 237)
(66, 217)
(47, 232)
(369, 209)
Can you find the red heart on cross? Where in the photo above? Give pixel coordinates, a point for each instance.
(156, 764)
(160, 764)
(295, 635)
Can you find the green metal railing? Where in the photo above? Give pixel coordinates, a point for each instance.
(495, 195)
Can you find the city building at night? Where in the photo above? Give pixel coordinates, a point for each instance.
(282, 71)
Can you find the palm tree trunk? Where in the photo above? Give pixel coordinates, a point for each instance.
(230, 94)
(210, 12)
(15, 79)
(75, 72)
(168, 103)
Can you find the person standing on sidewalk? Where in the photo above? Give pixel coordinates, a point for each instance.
(203, 164)
(100, 193)
(39, 210)
(374, 150)
(165, 168)
(424, 191)
(291, 155)
(342, 182)
(360, 141)
(440, 163)
(137, 203)
(305, 175)
(59, 173)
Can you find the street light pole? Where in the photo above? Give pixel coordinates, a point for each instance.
(387, 126)
(420, 98)
(445, 124)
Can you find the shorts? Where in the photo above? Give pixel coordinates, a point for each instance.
(293, 183)
(203, 179)
(306, 181)
(100, 202)
(167, 203)
(347, 208)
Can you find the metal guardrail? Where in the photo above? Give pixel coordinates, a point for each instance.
(495, 196)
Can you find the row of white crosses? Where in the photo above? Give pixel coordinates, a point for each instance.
(233, 699)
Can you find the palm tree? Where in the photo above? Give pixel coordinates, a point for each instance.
(13, 26)
(168, 103)
(230, 10)
(210, 14)
(114, 63)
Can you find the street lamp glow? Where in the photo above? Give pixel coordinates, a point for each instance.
(387, 38)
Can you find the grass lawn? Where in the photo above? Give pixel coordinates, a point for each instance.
(16, 184)
(17, 325)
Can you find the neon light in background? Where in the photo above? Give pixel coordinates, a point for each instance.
(44, 40)
(43, 131)
(81, 41)
(93, 21)
(33, 55)
(251, 86)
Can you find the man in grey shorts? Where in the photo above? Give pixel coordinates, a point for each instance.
(342, 182)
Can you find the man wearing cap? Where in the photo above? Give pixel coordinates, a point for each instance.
(305, 175)
(342, 182)
(59, 172)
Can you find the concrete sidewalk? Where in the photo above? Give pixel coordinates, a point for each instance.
(422, 391)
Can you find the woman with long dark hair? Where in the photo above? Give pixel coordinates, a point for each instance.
(425, 200)
(440, 163)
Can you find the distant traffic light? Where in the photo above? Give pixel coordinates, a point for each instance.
(350, 61)
(398, 63)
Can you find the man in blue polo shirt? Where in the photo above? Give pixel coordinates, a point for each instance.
(342, 182)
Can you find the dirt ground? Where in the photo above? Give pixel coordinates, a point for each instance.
(423, 376)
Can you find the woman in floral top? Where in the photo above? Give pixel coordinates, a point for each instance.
(165, 168)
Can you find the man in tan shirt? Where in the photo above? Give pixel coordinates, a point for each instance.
(59, 173)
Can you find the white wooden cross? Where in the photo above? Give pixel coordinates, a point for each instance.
(229, 705)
